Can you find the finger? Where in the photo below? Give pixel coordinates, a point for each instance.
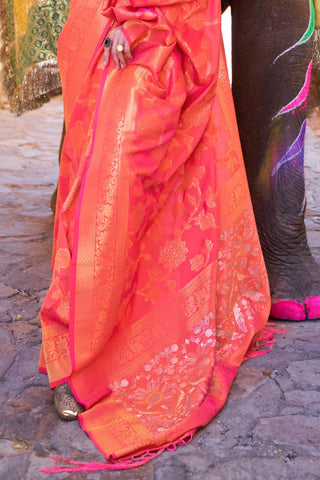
(127, 50)
(126, 47)
(121, 57)
(106, 55)
(107, 47)
(114, 52)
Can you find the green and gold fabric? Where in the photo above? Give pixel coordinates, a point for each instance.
(30, 31)
(317, 10)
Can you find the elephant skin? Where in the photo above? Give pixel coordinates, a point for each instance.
(272, 62)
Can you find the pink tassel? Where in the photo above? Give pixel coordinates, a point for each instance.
(64, 465)
(113, 464)
(264, 344)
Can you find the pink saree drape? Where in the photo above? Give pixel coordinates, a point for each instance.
(159, 287)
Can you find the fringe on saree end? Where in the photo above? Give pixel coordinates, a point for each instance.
(41, 80)
(64, 465)
(264, 343)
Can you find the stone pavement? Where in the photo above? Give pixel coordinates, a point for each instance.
(270, 426)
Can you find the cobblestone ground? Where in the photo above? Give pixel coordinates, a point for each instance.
(270, 426)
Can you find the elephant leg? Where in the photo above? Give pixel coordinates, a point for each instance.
(272, 51)
(53, 199)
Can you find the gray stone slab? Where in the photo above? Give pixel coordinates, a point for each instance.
(300, 432)
(258, 469)
(6, 291)
(14, 468)
(306, 372)
(303, 398)
(7, 357)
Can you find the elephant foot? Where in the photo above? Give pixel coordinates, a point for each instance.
(296, 295)
(296, 311)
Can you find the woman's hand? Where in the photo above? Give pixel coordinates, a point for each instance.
(114, 40)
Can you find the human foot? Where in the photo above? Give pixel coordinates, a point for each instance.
(67, 406)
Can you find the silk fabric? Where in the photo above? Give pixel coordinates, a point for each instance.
(159, 286)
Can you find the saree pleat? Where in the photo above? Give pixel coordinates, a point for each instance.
(159, 286)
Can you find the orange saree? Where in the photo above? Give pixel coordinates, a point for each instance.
(159, 287)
